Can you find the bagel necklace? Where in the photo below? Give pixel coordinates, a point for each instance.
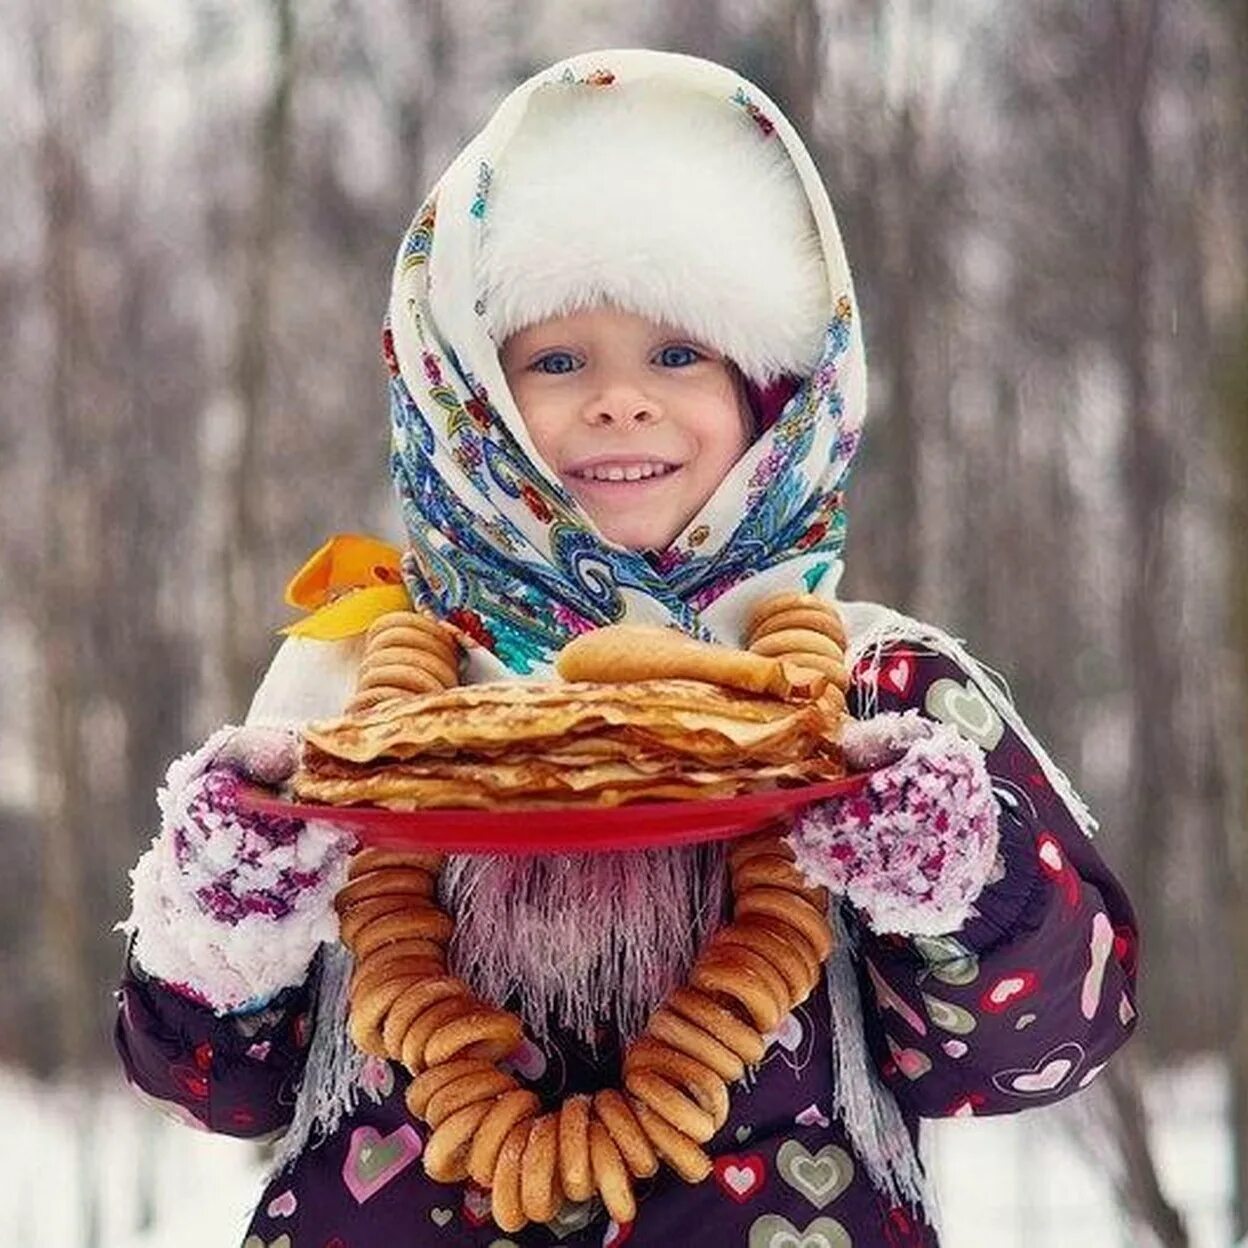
(406, 1006)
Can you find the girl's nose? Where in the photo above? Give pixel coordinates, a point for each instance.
(622, 406)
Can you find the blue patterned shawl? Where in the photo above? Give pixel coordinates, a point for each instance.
(496, 544)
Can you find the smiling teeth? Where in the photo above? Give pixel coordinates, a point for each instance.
(620, 472)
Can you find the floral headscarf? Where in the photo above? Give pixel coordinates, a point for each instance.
(496, 544)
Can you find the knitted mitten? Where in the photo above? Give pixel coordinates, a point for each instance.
(228, 905)
(913, 848)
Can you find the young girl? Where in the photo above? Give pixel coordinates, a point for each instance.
(627, 384)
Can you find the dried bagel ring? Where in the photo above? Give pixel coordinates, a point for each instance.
(741, 957)
(773, 871)
(365, 703)
(774, 605)
(770, 844)
(669, 1102)
(832, 699)
(466, 1090)
(797, 973)
(788, 935)
(395, 950)
(384, 883)
(425, 635)
(421, 620)
(697, 1008)
(446, 1151)
(540, 1193)
(676, 1148)
(508, 1110)
(408, 969)
(729, 978)
(371, 859)
(429, 662)
(614, 1112)
(442, 667)
(505, 1200)
(683, 1071)
(831, 667)
(352, 918)
(689, 1038)
(398, 643)
(373, 964)
(411, 1003)
(424, 1085)
(407, 679)
(368, 1011)
(414, 923)
(610, 1175)
(793, 641)
(412, 1050)
(484, 1025)
(575, 1174)
(817, 619)
(789, 908)
(419, 630)
(404, 970)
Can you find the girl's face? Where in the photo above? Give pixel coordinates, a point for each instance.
(639, 421)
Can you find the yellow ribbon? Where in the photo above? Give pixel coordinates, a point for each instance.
(346, 585)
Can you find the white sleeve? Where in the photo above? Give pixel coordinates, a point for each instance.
(307, 680)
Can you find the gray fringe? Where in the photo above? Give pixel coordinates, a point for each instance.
(863, 1104)
(331, 1080)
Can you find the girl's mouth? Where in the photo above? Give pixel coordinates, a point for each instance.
(623, 472)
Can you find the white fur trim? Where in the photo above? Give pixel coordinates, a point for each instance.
(229, 965)
(667, 203)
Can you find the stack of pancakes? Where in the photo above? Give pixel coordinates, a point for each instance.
(644, 714)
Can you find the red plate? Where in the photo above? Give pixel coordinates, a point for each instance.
(558, 829)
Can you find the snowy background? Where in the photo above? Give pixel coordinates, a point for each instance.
(1018, 1182)
(1044, 206)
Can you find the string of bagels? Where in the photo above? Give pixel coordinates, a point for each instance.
(406, 1006)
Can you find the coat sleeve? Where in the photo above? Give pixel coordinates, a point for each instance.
(235, 1073)
(1029, 999)
(232, 1071)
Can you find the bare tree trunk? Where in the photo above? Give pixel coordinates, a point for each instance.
(1147, 472)
(1233, 393)
(243, 547)
(1236, 416)
(802, 64)
(903, 300)
(65, 576)
(69, 70)
(1139, 1190)
(1149, 488)
(695, 29)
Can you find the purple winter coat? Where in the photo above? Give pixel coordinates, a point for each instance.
(1021, 1008)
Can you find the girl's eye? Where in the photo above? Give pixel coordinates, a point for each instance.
(678, 357)
(555, 362)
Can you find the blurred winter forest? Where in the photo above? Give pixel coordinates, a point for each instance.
(1045, 207)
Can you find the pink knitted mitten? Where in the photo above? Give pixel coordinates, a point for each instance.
(229, 905)
(915, 847)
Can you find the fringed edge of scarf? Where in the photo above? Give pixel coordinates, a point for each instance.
(864, 1106)
(333, 1077)
(874, 628)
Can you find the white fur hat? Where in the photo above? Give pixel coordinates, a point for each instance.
(662, 201)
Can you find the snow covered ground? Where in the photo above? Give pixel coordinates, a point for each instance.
(1017, 1182)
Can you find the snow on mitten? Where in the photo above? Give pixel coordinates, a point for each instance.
(228, 905)
(915, 846)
